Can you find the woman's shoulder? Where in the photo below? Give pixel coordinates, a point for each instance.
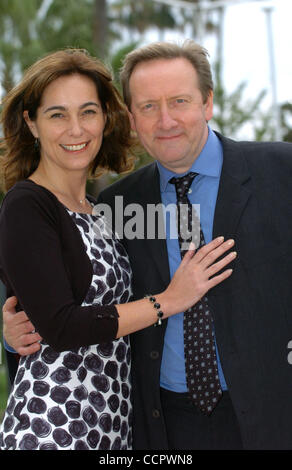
(28, 196)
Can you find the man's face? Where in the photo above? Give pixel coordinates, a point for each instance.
(168, 113)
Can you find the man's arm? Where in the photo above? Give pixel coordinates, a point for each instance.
(18, 331)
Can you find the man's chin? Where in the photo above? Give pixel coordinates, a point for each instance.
(175, 164)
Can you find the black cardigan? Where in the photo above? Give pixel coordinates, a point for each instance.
(43, 262)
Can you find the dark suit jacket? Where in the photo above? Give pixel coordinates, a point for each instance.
(252, 309)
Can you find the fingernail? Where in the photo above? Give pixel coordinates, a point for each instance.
(230, 242)
(192, 246)
(234, 253)
(220, 239)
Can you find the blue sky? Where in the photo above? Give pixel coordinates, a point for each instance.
(246, 53)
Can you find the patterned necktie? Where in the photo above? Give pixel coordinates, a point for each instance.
(199, 342)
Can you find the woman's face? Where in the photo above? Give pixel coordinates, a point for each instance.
(69, 124)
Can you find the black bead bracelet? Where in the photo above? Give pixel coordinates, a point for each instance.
(156, 305)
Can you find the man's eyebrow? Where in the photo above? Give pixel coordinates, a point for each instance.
(150, 100)
(63, 108)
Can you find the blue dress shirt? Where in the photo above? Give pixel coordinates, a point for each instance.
(203, 192)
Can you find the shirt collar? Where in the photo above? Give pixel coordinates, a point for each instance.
(208, 163)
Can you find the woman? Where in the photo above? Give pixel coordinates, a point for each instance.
(63, 124)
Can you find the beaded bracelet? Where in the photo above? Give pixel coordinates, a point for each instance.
(156, 305)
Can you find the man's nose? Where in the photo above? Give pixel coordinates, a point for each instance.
(166, 118)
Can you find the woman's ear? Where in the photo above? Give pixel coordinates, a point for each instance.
(31, 124)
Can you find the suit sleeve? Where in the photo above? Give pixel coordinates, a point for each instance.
(32, 265)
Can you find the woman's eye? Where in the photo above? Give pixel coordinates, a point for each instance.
(56, 115)
(89, 111)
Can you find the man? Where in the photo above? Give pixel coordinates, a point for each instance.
(244, 193)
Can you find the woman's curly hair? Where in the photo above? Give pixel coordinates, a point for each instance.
(19, 156)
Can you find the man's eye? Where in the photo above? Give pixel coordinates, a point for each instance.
(148, 106)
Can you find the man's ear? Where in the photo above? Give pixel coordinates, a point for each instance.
(30, 124)
(209, 106)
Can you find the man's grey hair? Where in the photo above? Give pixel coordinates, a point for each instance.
(189, 50)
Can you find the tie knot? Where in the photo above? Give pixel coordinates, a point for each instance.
(183, 183)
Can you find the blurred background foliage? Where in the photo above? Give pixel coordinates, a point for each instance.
(109, 29)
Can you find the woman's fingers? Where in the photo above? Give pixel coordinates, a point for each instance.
(217, 279)
(209, 254)
(192, 279)
(216, 267)
(189, 254)
(206, 249)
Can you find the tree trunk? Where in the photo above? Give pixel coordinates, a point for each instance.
(7, 82)
(100, 41)
(100, 28)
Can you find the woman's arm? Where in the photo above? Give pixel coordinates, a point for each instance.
(133, 316)
(31, 259)
(32, 267)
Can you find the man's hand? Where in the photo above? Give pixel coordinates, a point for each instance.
(18, 330)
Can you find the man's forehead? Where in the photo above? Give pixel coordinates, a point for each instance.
(174, 76)
(175, 64)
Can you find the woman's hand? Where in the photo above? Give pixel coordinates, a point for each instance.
(196, 275)
(18, 331)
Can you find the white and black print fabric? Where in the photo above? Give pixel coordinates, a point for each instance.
(78, 399)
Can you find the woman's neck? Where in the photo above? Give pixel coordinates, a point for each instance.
(69, 189)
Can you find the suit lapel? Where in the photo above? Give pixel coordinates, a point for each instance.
(148, 192)
(234, 191)
(233, 195)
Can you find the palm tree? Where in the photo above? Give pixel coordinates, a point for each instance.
(19, 44)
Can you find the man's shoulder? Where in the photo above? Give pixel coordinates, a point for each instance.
(267, 156)
(254, 145)
(271, 158)
(129, 182)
